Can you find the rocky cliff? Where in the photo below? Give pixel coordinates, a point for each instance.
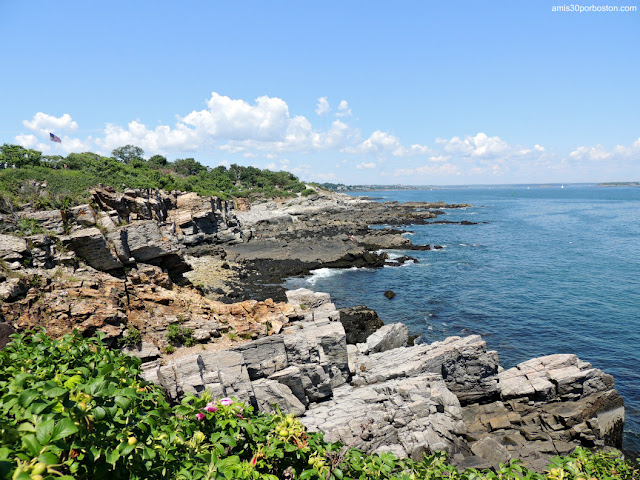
(116, 266)
(381, 395)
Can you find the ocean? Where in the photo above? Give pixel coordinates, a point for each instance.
(553, 270)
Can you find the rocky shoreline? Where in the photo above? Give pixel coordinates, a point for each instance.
(156, 262)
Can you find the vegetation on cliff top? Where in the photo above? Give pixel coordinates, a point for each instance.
(69, 178)
(73, 409)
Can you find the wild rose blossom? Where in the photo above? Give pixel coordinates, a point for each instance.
(200, 416)
(226, 401)
(211, 407)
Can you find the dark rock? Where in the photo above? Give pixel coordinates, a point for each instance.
(5, 331)
(359, 322)
(390, 294)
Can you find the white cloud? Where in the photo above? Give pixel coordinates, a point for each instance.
(28, 141)
(363, 165)
(599, 153)
(323, 106)
(265, 128)
(43, 123)
(162, 139)
(343, 109)
(270, 166)
(382, 144)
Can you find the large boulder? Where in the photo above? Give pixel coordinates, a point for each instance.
(407, 416)
(390, 336)
(150, 242)
(13, 248)
(359, 322)
(465, 364)
(91, 245)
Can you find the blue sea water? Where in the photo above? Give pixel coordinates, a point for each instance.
(554, 270)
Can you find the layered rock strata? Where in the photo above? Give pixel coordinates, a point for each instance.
(381, 395)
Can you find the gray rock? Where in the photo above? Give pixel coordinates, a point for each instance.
(152, 243)
(307, 298)
(226, 371)
(50, 220)
(264, 356)
(409, 416)
(473, 377)
(270, 393)
(13, 288)
(83, 215)
(90, 245)
(145, 351)
(13, 248)
(491, 451)
(390, 336)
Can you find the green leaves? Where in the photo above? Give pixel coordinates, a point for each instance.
(44, 430)
(63, 429)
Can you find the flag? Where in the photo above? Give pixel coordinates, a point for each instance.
(54, 138)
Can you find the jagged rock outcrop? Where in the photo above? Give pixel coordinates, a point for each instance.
(446, 395)
(145, 298)
(194, 219)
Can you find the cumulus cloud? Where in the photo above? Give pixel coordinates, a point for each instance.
(43, 123)
(162, 139)
(343, 109)
(323, 106)
(599, 153)
(382, 144)
(265, 128)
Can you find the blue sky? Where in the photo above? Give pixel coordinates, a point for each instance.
(355, 92)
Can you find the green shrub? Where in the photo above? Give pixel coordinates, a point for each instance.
(308, 191)
(132, 338)
(178, 336)
(29, 226)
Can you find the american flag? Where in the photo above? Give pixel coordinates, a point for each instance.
(54, 138)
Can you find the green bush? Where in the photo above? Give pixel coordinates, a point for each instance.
(178, 336)
(132, 338)
(73, 409)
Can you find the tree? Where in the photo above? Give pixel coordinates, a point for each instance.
(128, 153)
(188, 166)
(19, 156)
(157, 161)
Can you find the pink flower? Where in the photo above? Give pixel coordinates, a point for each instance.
(210, 407)
(200, 416)
(226, 401)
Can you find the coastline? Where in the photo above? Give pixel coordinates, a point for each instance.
(256, 251)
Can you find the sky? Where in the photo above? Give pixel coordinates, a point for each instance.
(356, 92)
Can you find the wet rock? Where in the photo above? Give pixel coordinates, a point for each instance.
(389, 294)
(359, 322)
